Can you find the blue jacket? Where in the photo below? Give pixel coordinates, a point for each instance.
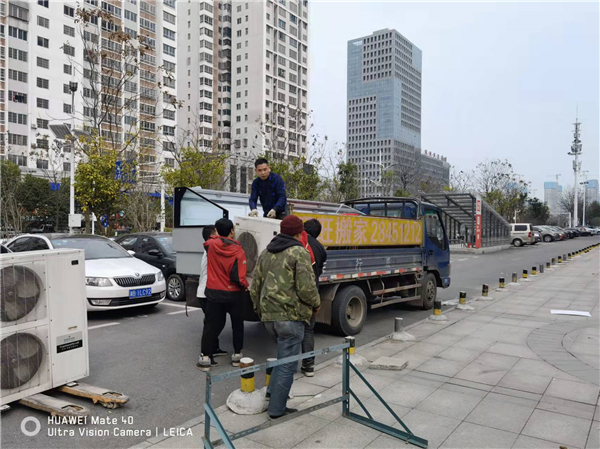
(271, 192)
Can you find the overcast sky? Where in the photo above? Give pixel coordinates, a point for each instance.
(500, 80)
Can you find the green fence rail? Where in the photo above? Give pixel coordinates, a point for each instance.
(347, 393)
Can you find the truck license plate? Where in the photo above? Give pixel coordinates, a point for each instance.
(140, 293)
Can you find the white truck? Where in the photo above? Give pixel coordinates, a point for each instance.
(380, 251)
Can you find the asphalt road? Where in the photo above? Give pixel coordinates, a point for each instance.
(150, 355)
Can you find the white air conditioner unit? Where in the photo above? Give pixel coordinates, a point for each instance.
(43, 322)
(34, 126)
(255, 234)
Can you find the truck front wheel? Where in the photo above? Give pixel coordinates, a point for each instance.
(349, 310)
(429, 291)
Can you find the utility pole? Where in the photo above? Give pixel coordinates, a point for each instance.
(576, 151)
(73, 89)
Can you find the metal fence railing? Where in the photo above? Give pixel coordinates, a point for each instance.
(347, 393)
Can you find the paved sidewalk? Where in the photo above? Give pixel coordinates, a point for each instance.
(506, 375)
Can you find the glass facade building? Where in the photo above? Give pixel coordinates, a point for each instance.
(383, 108)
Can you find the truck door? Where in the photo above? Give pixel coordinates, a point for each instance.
(437, 252)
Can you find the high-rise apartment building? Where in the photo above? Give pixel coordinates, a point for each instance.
(127, 98)
(552, 192)
(384, 107)
(243, 78)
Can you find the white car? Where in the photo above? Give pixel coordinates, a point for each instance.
(114, 279)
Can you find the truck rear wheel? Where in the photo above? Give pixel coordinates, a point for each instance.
(349, 310)
(429, 291)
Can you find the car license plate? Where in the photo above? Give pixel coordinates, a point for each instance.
(140, 293)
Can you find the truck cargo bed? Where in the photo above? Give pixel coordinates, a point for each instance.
(355, 263)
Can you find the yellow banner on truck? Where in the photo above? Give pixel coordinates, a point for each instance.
(362, 230)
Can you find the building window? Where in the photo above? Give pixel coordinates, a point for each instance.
(19, 55)
(19, 119)
(43, 22)
(42, 124)
(42, 103)
(43, 83)
(17, 33)
(17, 139)
(69, 11)
(16, 75)
(69, 31)
(43, 63)
(168, 50)
(67, 69)
(43, 42)
(68, 50)
(44, 3)
(17, 97)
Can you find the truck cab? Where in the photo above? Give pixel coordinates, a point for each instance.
(435, 245)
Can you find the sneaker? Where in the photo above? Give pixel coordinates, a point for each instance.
(288, 411)
(219, 352)
(205, 363)
(309, 371)
(235, 359)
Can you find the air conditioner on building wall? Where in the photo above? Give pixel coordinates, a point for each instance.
(43, 322)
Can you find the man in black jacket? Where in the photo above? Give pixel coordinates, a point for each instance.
(313, 229)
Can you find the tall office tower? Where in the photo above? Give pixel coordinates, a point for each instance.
(251, 71)
(384, 109)
(552, 192)
(591, 191)
(119, 57)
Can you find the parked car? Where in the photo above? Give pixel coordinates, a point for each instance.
(595, 231)
(156, 249)
(546, 235)
(583, 231)
(552, 234)
(574, 231)
(4, 249)
(522, 234)
(589, 229)
(561, 233)
(114, 279)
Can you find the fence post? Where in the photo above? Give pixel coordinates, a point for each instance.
(346, 374)
(207, 400)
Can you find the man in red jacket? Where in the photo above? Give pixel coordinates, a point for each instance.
(226, 282)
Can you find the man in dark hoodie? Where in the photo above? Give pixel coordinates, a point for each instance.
(313, 230)
(284, 294)
(225, 284)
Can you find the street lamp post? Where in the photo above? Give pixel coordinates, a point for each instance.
(584, 184)
(381, 168)
(73, 89)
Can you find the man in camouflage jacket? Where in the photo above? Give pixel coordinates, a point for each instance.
(285, 295)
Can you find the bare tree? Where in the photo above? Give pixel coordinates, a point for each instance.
(461, 181)
(339, 178)
(51, 162)
(112, 98)
(566, 200)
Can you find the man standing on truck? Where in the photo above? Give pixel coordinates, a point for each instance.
(312, 230)
(285, 295)
(225, 286)
(270, 189)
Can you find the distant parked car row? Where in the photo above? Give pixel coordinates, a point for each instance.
(527, 234)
